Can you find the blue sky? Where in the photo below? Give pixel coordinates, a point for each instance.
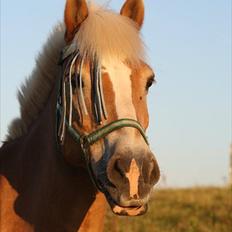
(189, 47)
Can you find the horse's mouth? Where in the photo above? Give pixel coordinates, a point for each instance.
(129, 211)
(125, 210)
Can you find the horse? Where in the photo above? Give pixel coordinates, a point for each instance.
(80, 143)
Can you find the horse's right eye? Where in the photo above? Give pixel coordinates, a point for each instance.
(75, 81)
(74, 84)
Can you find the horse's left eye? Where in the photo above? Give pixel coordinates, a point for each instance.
(150, 82)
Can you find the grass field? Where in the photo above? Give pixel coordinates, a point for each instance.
(180, 210)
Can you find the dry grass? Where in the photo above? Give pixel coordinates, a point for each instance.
(180, 210)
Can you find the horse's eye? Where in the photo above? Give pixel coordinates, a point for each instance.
(150, 82)
(75, 82)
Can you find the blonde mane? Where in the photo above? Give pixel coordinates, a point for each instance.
(103, 35)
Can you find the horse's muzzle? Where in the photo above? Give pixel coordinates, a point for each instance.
(131, 178)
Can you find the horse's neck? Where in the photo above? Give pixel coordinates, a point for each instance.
(47, 193)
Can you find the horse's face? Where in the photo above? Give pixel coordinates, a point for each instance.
(122, 162)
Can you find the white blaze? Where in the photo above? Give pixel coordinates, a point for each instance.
(119, 75)
(133, 178)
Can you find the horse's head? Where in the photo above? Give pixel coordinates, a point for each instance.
(107, 82)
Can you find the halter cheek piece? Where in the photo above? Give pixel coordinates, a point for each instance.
(70, 54)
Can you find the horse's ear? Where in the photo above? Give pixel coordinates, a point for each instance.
(134, 9)
(76, 11)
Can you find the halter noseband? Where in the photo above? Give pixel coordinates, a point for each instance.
(87, 140)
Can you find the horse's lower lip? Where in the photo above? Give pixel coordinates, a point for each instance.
(129, 211)
(125, 211)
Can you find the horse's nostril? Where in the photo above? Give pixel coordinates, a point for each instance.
(154, 173)
(118, 168)
(150, 171)
(145, 172)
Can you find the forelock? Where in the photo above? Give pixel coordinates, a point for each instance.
(107, 35)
